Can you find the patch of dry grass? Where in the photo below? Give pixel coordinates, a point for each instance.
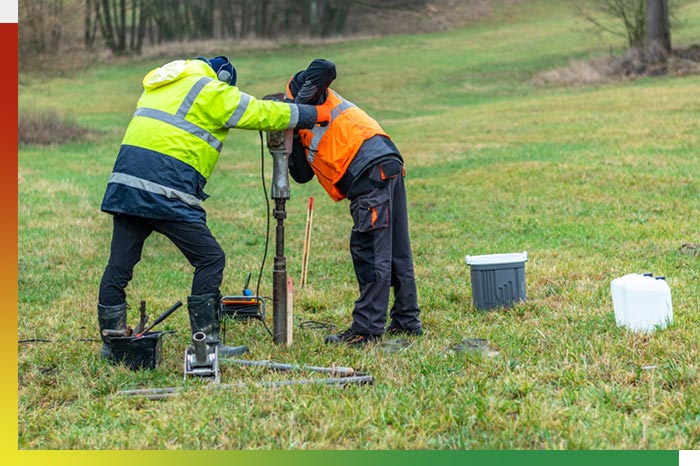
(632, 64)
(46, 127)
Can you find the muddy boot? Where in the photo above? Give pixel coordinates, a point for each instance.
(204, 317)
(110, 318)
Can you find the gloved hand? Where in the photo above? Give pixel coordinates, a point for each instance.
(317, 77)
(307, 94)
(323, 115)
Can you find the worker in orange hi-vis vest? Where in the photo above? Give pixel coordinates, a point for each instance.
(353, 157)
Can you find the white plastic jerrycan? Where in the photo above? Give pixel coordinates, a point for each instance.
(642, 302)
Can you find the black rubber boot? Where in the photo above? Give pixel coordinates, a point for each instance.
(204, 317)
(111, 318)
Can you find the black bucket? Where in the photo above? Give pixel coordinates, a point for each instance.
(138, 352)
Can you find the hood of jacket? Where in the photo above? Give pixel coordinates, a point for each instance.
(174, 71)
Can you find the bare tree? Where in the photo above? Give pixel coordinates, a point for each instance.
(41, 26)
(91, 24)
(625, 18)
(122, 24)
(646, 24)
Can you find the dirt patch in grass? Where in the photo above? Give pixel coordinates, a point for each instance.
(46, 127)
(632, 64)
(690, 249)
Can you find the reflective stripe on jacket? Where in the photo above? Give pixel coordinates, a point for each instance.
(330, 149)
(175, 137)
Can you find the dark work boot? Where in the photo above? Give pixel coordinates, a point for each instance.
(352, 338)
(110, 318)
(396, 329)
(204, 317)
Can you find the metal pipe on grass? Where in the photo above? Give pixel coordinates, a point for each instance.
(160, 393)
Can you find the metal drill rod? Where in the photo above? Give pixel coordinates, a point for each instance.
(279, 143)
(339, 371)
(159, 393)
(279, 279)
(143, 318)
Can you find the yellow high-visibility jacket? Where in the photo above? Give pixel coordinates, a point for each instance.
(176, 135)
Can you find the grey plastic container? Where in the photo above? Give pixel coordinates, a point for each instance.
(498, 280)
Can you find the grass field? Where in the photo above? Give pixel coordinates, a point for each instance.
(594, 182)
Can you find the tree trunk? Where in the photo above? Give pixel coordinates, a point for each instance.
(132, 29)
(141, 28)
(227, 19)
(658, 30)
(245, 18)
(122, 26)
(104, 18)
(90, 25)
(316, 17)
(341, 16)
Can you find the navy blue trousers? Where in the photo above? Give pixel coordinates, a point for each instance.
(194, 240)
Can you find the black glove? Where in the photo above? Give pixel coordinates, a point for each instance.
(317, 78)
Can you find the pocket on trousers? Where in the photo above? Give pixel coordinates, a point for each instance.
(370, 211)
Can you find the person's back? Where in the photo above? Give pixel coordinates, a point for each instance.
(353, 157)
(174, 140)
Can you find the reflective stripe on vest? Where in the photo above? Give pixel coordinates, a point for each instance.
(331, 149)
(178, 119)
(191, 96)
(294, 117)
(150, 186)
(240, 110)
(319, 131)
(180, 122)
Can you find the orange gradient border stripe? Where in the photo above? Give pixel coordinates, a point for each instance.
(8, 235)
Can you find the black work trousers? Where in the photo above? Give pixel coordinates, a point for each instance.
(381, 250)
(194, 240)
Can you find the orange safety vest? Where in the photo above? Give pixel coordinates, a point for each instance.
(330, 149)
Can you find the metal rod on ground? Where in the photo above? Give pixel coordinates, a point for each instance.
(307, 240)
(142, 317)
(279, 143)
(159, 393)
(161, 318)
(339, 371)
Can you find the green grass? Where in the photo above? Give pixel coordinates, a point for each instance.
(594, 182)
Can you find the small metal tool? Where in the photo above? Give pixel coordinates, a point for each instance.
(202, 360)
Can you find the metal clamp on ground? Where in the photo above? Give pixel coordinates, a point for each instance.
(202, 360)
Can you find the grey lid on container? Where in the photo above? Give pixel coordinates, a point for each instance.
(494, 259)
